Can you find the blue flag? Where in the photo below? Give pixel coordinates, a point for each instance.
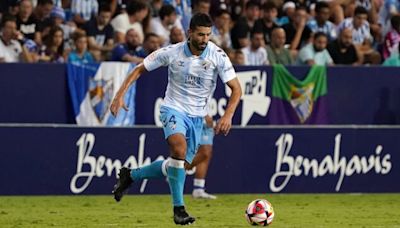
(92, 88)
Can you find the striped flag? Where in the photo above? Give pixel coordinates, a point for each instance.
(92, 88)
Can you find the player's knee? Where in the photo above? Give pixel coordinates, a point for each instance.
(178, 152)
(177, 147)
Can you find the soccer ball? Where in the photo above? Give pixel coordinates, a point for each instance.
(259, 213)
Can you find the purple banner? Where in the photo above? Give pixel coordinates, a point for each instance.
(69, 160)
(356, 95)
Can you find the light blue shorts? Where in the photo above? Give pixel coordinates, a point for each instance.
(207, 135)
(175, 122)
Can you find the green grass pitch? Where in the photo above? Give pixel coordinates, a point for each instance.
(291, 210)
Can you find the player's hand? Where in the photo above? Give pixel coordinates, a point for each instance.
(117, 103)
(223, 125)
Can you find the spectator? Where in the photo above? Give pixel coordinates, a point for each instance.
(235, 7)
(26, 23)
(59, 3)
(81, 53)
(162, 25)
(337, 10)
(343, 51)
(373, 8)
(321, 22)
(315, 53)
(239, 58)
(10, 42)
(151, 43)
(127, 52)
(41, 14)
(83, 10)
(389, 9)
(176, 35)
(255, 54)
(392, 38)
(52, 49)
(218, 5)
(289, 9)
(43, 9)
(267, 23)
(220, 31)
(184, 10)
(394, 59)
(359, 26)
(201, 6)
(100, 34)
(277, 53)
(57, 18)
(306, 4)
(241, 31)
(155, 6)
(362, 38)
(117, 6)
(297, 33)
(10, 7)
(136, 12)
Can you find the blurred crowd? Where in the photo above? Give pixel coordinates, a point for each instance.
(252, 32)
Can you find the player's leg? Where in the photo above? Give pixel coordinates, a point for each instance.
(204, 155)
(202, 161)
(175, 167)
(156, 169)
(180, 131)
(176, 177)
(194, 125)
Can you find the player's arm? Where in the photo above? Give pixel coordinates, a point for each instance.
(153, 61)
(225, 123)
(118, 100)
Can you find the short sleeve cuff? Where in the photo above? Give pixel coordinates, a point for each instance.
(149, 63)
(229, 75)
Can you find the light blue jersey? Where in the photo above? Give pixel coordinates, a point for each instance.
(191, 79)
(328, 28)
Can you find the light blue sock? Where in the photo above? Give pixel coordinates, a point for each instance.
(152, 171)
(176, 179)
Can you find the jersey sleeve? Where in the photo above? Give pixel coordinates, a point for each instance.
(156, 59)
(225, 68)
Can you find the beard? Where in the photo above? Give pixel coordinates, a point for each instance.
(344, 44)
(318, 49)
(199, 46)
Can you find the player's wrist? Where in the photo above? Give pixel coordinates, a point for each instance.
(228, 114)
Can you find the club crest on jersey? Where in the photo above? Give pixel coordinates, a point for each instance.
(100, 92)
(206, 65)
(302, 101)
(181, 63)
